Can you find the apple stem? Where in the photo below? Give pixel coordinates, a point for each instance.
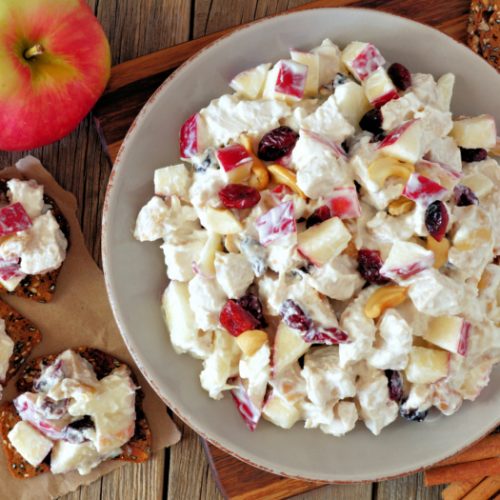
(36, 50)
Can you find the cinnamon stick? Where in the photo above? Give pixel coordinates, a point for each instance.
(485, 489)
(488, 447)
(457, 490)
(469, 470)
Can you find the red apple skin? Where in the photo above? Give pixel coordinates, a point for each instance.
(45, 98)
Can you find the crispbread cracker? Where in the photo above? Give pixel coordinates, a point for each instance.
(138, 449)
(483, 30)
(24, 334)
(39, 287)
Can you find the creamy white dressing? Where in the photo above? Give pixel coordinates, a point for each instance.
(321, 293)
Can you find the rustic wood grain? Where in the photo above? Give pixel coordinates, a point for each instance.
(408, 488)
(136, 28)
(189, 473)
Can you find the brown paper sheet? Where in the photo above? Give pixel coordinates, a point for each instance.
(79, 314)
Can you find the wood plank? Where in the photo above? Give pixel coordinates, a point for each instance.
(408, 488)
(189, 472)
(144, 481)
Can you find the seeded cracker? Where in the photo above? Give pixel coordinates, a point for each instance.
(137, 450)
(40, 287)
(483, 31)
(24, 334)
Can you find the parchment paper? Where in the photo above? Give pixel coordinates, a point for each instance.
(79, 314)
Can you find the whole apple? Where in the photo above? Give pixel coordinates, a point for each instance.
(54, 64)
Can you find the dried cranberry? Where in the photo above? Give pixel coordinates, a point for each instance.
(293, 315)
(252, 304)
(372, 121)
(369, 264)
(235, 319)
(395, 384)
(277, 143)
(464, 196)
(436, 219)
(239, 196)
(318, 216)
(470, 155)
(400, 76)
(413, 414)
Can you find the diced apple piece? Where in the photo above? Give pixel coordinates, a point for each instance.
(236, 162)
(247, 409)
(477, 132)
(335, 148)
(439, 172)
(172, 181)
(11, 284)
(362, 59)
(312, 62)
(480, 184)
(280, 412)
(249, 84)
(344, 203)
(351, 101)
(450, 333)
(406, 259)
(379, 88)
(329, 61)
(404, 142)
(289, 346)
(423, 190)
(180, 259)
(29, 443)
(178, 316)
(190, 138)
(67, 457)
(206, 263)
(220, 221)
(276, 223)
(324, 241)
(427, 366)
(10, 274)
(445, 90)
(13, 219)
(286, 81)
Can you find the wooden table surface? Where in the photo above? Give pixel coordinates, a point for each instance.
(135, 28)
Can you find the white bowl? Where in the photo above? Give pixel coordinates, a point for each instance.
(135, 271)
